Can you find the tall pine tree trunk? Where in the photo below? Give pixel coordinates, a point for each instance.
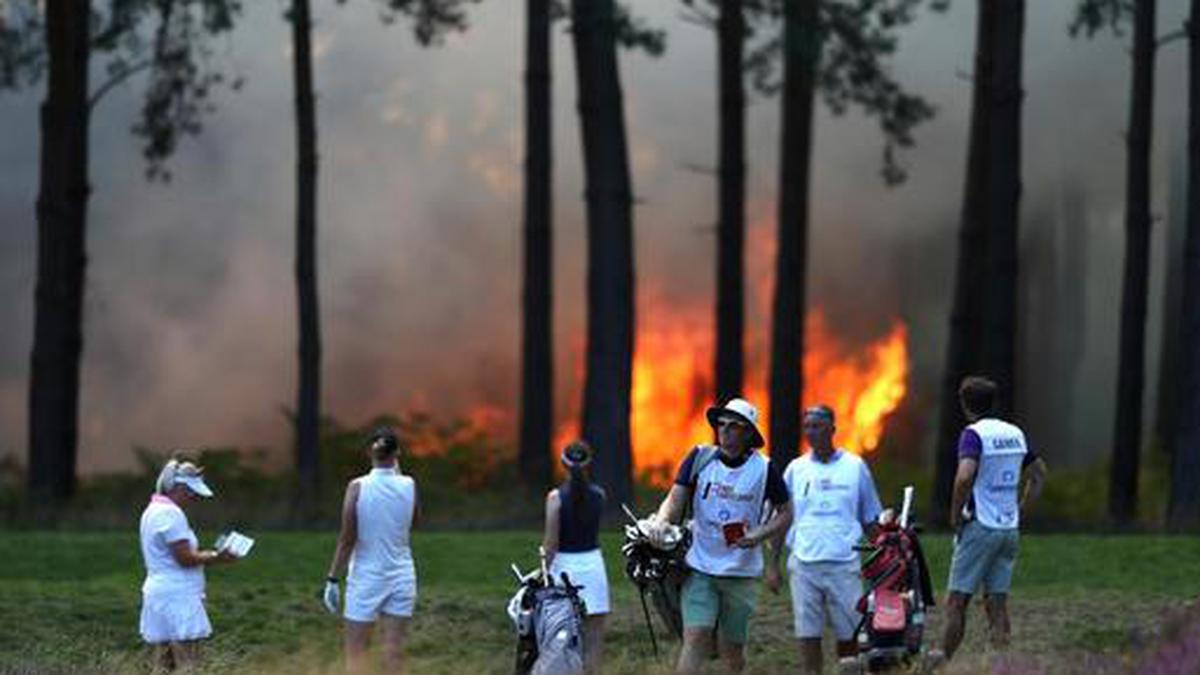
(62, 259)
(802, 49)
(537, 375)
(1131, 367)
(309, 394)
(1184, 509)
(1003, 187)
(731, 228)
(967, 311)
(610, 282)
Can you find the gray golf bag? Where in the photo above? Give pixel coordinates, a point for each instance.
(548, 617)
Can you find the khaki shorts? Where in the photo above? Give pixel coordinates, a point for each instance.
(825, 590)
(726, 603)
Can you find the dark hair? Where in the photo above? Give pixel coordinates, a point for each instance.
(383, 443)
(576, 456)
(978, 395)
(821, 410)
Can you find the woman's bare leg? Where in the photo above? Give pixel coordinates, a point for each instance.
(357, 640)
(184, 654)
(395, 635)
(593, 642)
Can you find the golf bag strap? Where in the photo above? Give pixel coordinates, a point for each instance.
(705, 455)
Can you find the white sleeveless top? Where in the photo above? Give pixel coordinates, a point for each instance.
(386, 502)
(830, 502)
(999, 474)
(723, 495)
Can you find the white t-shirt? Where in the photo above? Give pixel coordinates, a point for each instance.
(830, 503)
(164, 523)
(386, 502)
(725, 494)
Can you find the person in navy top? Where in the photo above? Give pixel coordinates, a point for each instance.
(572, 544)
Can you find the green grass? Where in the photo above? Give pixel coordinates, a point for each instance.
(70, 603)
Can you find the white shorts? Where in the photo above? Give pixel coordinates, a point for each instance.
(821, 589)
(585, 569)
(366, 598)
(173, 617)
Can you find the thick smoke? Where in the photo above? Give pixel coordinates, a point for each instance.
(190, 336)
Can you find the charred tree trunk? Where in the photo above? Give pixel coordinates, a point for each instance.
(1131, 366)
(610, 329)
(1003, 187)
(966, 314)
(62, 259)
(308, 412)
(802, 49)
(537, 375)
(731, 230)
(1184, 509)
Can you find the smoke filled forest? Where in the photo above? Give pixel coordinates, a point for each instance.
(227, 225)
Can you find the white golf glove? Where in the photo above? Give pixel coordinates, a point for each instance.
(331, 596)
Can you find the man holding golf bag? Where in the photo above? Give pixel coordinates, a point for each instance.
(726, 487)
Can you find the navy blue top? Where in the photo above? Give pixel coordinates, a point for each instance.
(579, 524)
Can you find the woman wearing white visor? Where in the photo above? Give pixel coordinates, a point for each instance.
(572, 544)
(377, 518)
(173, 616)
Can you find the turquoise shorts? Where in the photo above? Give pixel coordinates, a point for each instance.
(984, 557)
(726, 603)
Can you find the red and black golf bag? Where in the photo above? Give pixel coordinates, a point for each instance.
(898, 592)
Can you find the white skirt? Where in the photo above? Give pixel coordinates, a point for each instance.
(585, 569)
(174, 617)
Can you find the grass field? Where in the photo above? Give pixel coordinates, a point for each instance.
(69, 603)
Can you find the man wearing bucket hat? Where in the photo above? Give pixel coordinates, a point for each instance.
(572, 544)
(834, 501)
(726, 487)
(173, 617)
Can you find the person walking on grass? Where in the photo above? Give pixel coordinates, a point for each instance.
(998, 478)
(726, 487)
(173, 618)
(378, 514)
(834, 502)
(572, 545)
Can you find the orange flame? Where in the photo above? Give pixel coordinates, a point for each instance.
(672, 387)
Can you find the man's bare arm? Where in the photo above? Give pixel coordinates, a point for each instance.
(964, 480)
(1035, 480)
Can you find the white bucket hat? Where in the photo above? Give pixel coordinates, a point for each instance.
(743, 411)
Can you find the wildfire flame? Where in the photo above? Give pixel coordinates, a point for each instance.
(672, 387)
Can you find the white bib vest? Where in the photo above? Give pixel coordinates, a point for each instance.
(999, 474)
(825, 507)
(724, 495)
(386, 501)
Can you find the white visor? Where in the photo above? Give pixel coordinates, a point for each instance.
(196, 484)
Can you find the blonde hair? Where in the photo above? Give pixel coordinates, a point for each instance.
(172, 470)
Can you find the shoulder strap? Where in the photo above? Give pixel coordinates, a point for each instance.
(705, 454)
